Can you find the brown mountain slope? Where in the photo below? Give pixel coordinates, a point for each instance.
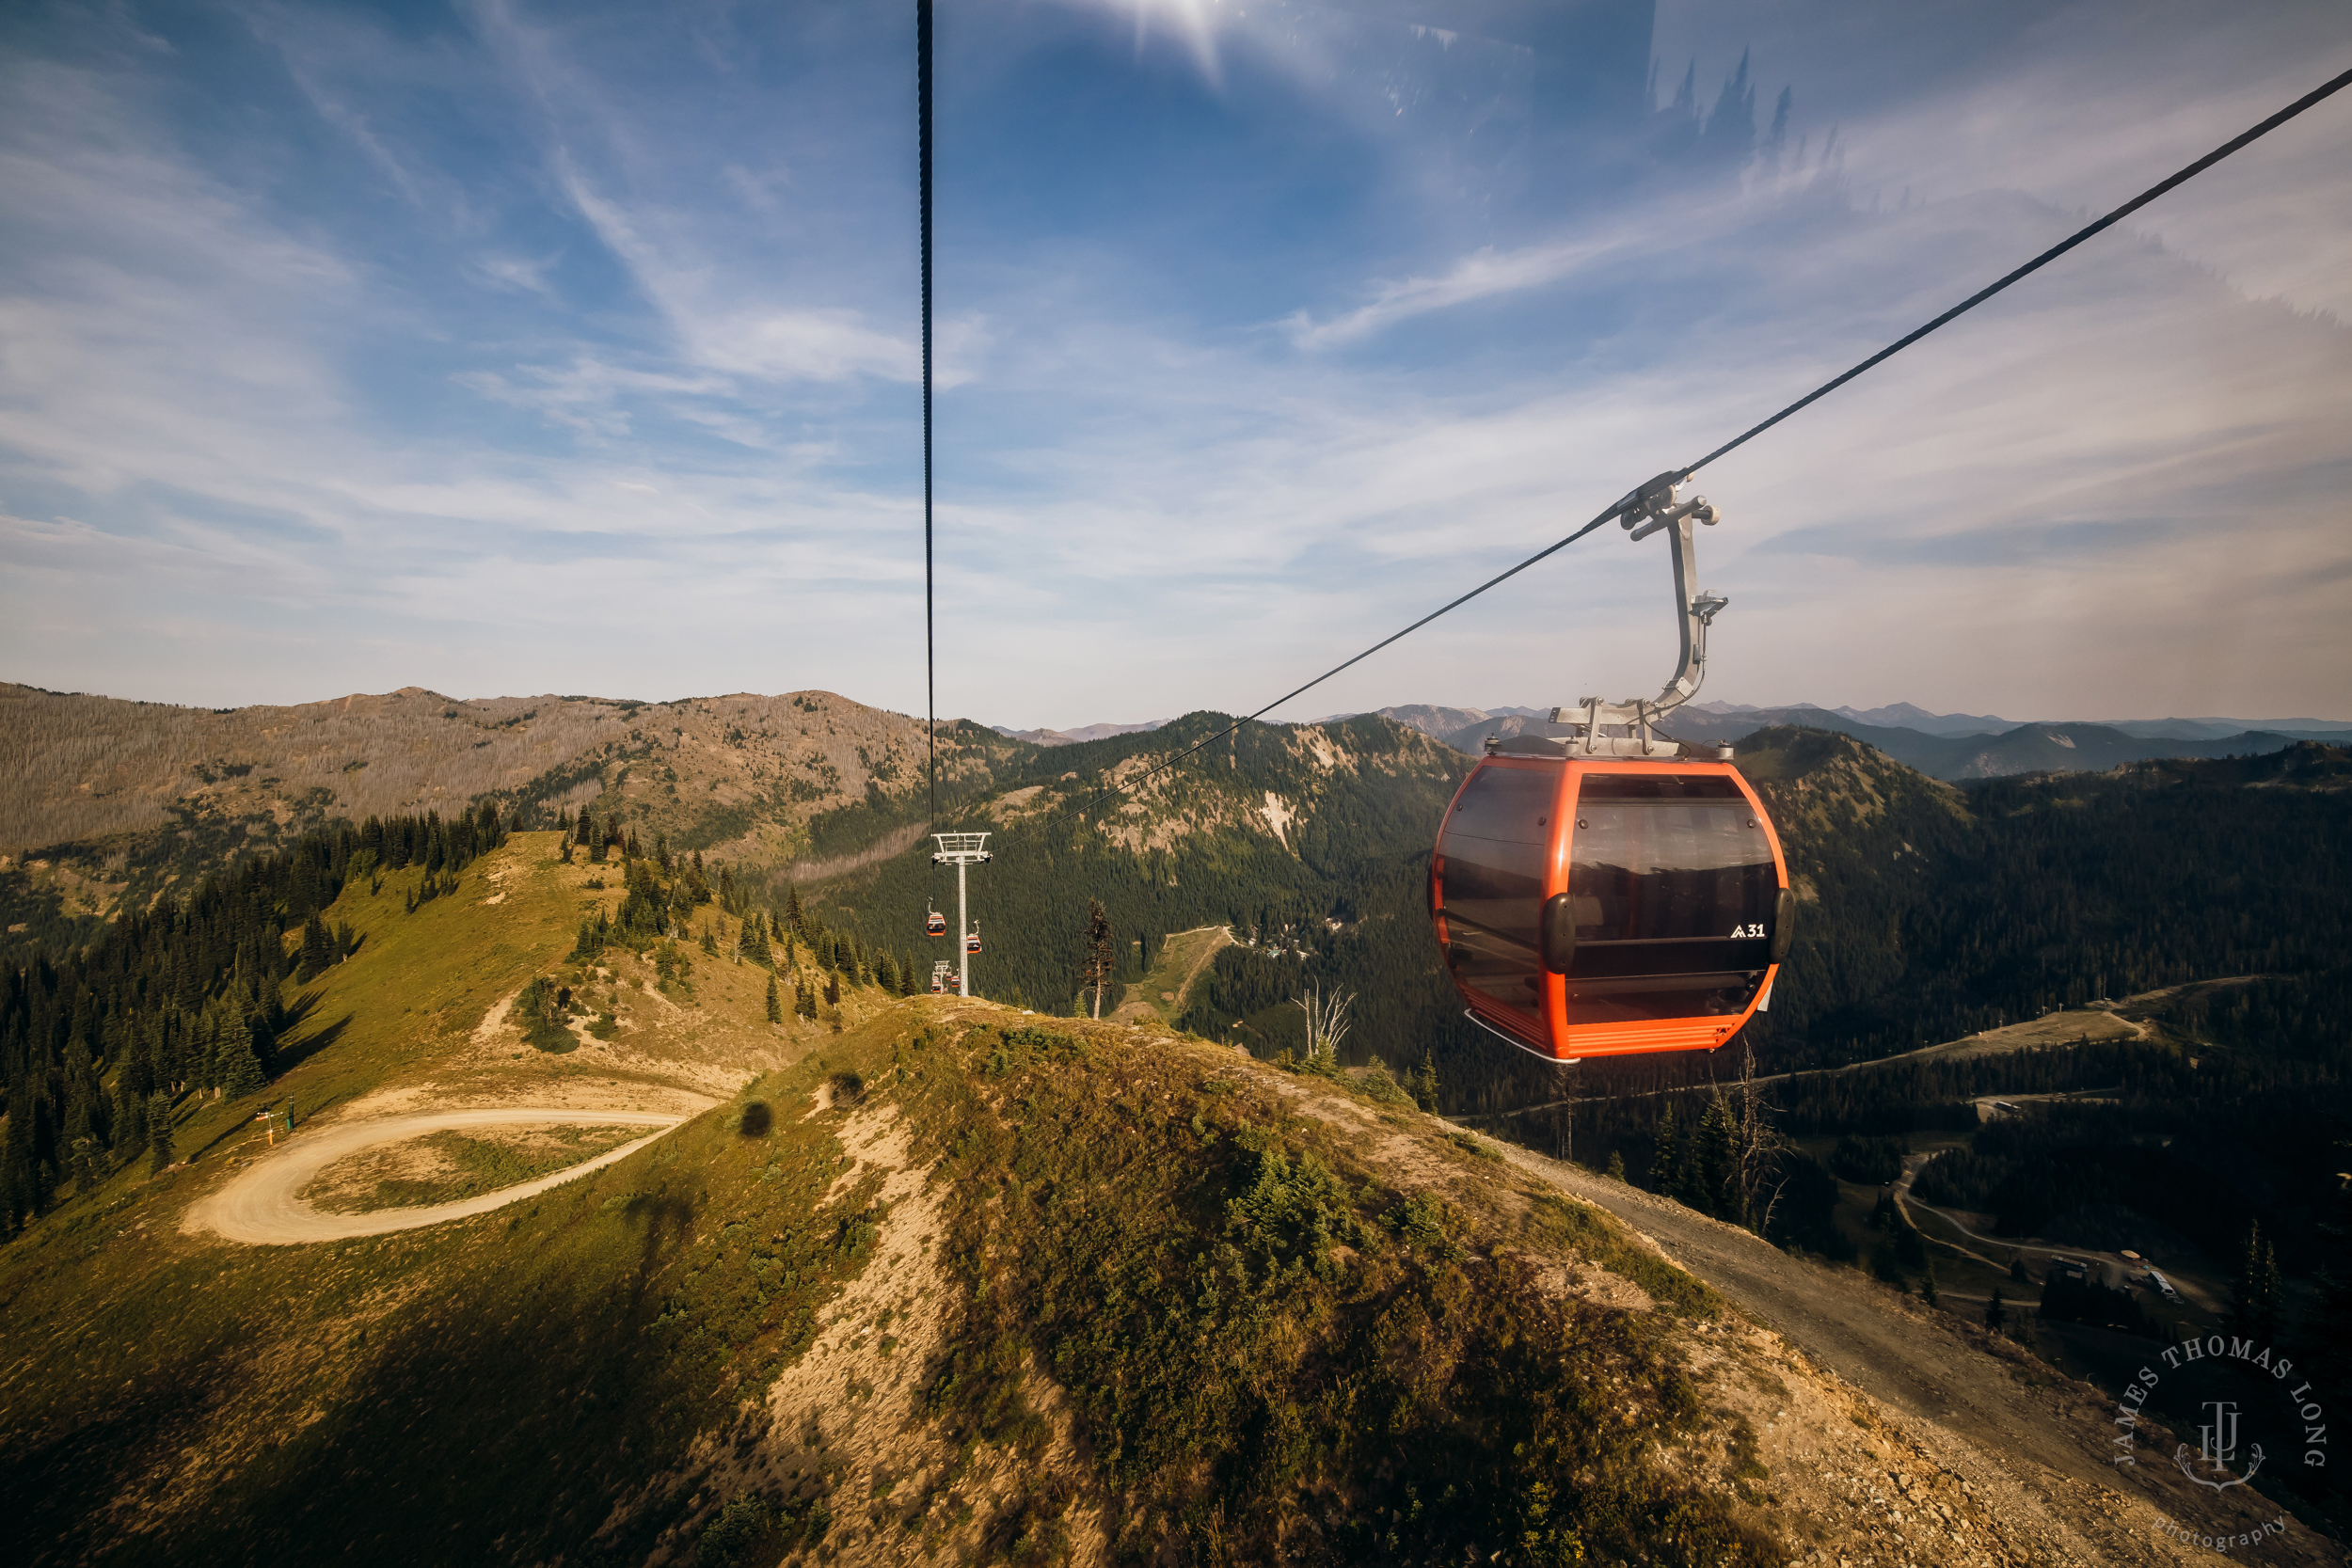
(105, 802)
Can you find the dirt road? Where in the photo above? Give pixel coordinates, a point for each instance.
(261, 1206)
(2050, 1436)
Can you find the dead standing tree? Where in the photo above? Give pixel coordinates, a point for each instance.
(1759, 1146)
(1100, 953)
(1326, 1024)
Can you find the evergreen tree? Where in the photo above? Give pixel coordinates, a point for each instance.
(596, 838)
(2254, 1298)
(1617, 1166)
(21, 1195)
(1926, 1283)
(130, 1114)
(833, 989)
(1995, 1313)
(710, 942)
(158, 1131)
(1424, 1084)
(775, 1004)
(316, 956)
(1094, 970)
(245, 1075)
(1666, 1161)
(1713, 1184)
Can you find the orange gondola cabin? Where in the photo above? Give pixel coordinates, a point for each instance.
(1601, 906)
(1605, 890)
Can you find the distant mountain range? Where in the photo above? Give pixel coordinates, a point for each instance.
(1907, 716)
(1078, 737)
(2037, 748)
(1944, 745)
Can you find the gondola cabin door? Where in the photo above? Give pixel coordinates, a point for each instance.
(1606, 906)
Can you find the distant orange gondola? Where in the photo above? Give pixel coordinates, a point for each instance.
(935, 923)
(972, 941)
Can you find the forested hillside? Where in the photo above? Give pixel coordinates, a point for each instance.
(1926, 912)
(1306, 839)
(103, 1047)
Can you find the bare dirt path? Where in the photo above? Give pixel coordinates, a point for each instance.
(259, 1206)
(2048, 1435)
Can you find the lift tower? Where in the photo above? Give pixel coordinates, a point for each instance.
(959, 851)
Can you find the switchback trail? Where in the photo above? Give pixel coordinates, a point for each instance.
(260, 1206)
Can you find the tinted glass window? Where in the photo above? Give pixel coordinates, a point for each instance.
(1660, 787)
(1509, 805)
(1675, 890)
(1494, 846)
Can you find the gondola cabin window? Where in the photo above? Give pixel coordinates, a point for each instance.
(1672, 884)
(1497, 841)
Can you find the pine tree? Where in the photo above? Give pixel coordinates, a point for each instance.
(1424, 1084)
(1926, 1283)
(316, 956)
(776, 1004)
(1094, 971)
(158, 1131)
(1713, 1186)
(245, 1074)
(596, 838)
(130, 1114)
(1616, 1166)
(1995, 1313)
(2254, 1299)
(1666, 1161)
(710, 942)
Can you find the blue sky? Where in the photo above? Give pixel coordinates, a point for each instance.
(503, 348)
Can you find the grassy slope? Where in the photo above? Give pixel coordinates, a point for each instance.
(1138, 1248)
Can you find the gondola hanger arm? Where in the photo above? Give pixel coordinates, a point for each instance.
(1653, 508)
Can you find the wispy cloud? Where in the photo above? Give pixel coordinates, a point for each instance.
(1483, 275)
